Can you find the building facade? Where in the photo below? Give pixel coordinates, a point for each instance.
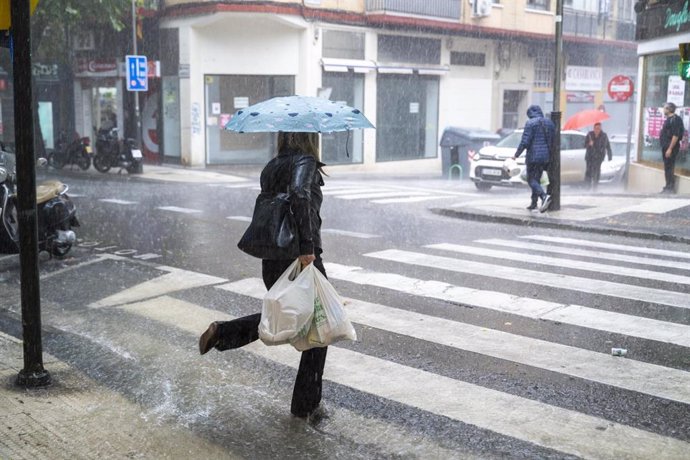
(412, 67)
(662, 26)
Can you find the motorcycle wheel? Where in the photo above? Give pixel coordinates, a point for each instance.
(56, 160)
(84, 161)
(60, 251)
(136, 168)
(101, 163)
(9, 234)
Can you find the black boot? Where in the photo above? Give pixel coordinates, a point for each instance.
(533, 205)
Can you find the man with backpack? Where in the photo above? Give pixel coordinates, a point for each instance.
(537, 139)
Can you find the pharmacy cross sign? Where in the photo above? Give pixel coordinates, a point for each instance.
(137, 73)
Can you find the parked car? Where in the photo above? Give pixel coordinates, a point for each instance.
(486, 165)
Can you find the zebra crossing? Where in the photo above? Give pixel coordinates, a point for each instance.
(374, 193)
(544, 423)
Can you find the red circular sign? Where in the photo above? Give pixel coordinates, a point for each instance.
(621, 88)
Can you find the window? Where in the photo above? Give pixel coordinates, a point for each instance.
(543, 69)
(467, 58)
(393, 48)
(625, 11)
(539, 5)
(343, 45)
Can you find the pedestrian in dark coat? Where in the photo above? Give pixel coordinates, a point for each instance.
(669, 138)
(598, 146)
(537, 139)
(296, 166)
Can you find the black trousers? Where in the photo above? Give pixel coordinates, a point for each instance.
(669, 166)
(593, 171)
(534, 172)
(306, 394)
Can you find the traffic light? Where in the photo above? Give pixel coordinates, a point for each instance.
(684, 64)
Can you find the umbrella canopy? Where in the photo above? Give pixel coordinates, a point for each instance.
(297, 114)
(585, 118)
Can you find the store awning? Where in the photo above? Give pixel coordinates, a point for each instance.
(344, 65)
(412, 68)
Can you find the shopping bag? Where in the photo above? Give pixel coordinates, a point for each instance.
(544, 181)
(329, 323)
(289, 305)
(511, 167)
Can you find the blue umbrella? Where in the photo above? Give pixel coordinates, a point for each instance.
(297, 114)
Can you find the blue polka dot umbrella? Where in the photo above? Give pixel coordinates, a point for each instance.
(297, 114)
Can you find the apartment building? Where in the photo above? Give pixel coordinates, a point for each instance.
(414, 67)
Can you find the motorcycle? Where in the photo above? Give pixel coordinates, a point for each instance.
(56, 212)
(78, 152)
(113, 153)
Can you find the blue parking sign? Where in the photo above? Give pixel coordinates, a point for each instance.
(137, 73)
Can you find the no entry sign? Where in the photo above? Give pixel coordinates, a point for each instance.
(621, 88)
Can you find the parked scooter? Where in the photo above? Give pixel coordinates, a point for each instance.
(111, 152)
(77, 151)
(56, 212)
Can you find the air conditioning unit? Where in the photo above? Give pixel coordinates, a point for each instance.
(481, 8)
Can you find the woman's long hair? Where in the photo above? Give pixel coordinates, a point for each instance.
(307, 143)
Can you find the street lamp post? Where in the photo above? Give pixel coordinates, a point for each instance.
(555, 163)
(33, 374)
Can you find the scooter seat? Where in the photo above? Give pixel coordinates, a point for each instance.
(48, 190)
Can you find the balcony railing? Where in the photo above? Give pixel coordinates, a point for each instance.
(446, 9)
(591, 25)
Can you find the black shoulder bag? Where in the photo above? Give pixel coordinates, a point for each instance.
(272, 233)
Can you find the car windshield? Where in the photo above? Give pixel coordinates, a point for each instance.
(511, 141)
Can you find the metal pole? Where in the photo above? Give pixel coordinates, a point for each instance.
(33, 374)
(631, 112)
(137, 115)
(555, 163)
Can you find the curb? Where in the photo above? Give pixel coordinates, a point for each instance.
(568, 225)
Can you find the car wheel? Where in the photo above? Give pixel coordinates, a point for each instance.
(482, 186)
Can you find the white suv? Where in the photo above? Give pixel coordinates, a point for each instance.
(486, 166)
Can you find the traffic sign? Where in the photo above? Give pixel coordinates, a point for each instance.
(621, 88)
(137, 73)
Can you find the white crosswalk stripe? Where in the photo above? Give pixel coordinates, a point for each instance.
(587, 253)
(574, 283)
(561, 262)
(618, 247)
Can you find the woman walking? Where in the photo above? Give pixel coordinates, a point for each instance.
(296, 168)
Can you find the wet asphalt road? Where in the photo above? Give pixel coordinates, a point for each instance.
(240, 399)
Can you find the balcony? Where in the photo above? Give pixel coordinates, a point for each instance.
(443, 9)
(594, 26)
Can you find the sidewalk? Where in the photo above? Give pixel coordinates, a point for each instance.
(665, 218)
(78, 418)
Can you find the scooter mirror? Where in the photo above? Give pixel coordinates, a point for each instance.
(41, 162)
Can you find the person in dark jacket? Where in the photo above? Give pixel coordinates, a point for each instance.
(598, 146)
(669, 138)
(537, 139)
(298, 168)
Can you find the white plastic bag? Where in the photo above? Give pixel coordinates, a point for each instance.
(511, 167)
(289, 305)
(329, 323)
(544, 177)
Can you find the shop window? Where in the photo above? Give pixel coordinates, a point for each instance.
(661, 85)
(226, 94)
(343, 45)
(407, 117)
(343, 147)
(467, 59)
(394, 48)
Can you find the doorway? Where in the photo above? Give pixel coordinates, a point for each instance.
(514, 104)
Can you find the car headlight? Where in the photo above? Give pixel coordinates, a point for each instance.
(3, 174)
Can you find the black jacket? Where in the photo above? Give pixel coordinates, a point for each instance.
(600, 149)
(298, 174)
